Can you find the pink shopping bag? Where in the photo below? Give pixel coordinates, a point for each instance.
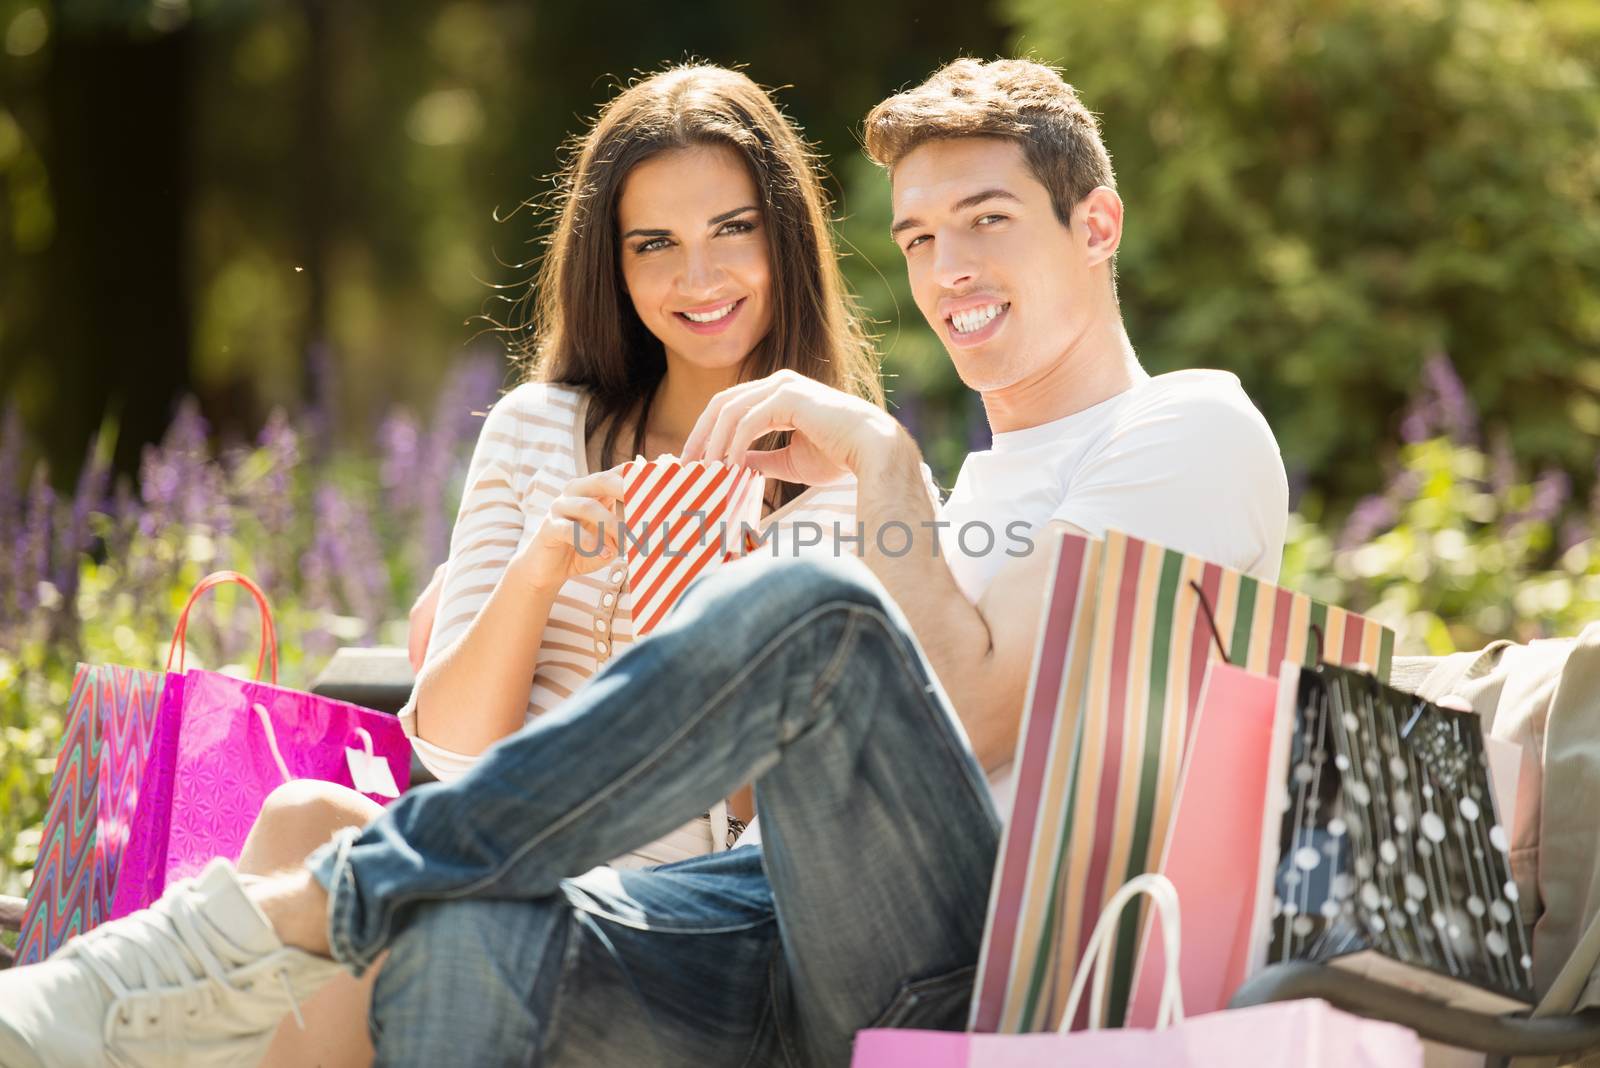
(1213, 854)
(1294, 1034)
(222, 744)
(1302, 1034)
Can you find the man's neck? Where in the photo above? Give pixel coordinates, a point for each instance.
(1096, 366)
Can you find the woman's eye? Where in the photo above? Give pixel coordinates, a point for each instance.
(738, 226)
(651, 245)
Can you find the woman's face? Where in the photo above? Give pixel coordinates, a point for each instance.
(694, 255)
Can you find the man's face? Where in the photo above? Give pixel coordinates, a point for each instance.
(1006, 286)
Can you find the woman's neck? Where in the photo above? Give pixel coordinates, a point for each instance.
(674, 410)
(684, 393)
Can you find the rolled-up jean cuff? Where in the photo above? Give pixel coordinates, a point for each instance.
(330, 866)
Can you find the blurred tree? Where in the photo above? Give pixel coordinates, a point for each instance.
(293, 200)
(98, 177)
(1322, 192)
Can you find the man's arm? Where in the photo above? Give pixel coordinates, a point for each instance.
(981, 653)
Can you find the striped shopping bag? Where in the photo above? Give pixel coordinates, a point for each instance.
(1128, 630)
(680, 521)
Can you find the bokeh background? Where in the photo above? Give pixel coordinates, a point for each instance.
(250, 251)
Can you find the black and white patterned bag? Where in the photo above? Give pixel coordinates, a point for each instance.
(1392, 858)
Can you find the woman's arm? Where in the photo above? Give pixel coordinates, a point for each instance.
(497, 593)
(485, 622)
(475, 691)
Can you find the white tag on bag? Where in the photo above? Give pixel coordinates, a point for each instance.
(368, 772)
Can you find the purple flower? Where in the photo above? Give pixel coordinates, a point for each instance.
(1442, 406)
(1551, 491)
(316, 575)
(400, 445)
(433, 535)
(346, 551)
(1370, 517)
(1404, 486)
(89, 498)
(171, 473)
(271, 497)
(124, 513)
(10, 491)
(32, 564)
(469, 391)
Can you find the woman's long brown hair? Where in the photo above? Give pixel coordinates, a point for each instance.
(582, 329)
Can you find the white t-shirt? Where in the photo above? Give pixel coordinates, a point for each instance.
(1182, 459)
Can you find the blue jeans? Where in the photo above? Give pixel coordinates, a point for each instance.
(864, 906)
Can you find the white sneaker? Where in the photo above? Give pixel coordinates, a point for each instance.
(198, 979)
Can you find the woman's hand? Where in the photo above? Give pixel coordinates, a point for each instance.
(579, 535)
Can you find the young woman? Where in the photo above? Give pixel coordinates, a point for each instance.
(691, 252)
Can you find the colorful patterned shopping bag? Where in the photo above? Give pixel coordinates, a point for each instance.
(681, 520)
(110, 721)
(1128, 630)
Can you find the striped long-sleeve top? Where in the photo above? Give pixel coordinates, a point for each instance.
(532, 444)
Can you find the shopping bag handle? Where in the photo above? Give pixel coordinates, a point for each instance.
(269, 631)
(272, 739)
(1097, 954)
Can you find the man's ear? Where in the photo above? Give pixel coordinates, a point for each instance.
(1100, 215)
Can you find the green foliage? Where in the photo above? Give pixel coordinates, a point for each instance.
(1322, 192)
(1461, 550)
(340, 539)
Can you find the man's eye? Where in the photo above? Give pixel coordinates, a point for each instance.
(984, 220)
(915, 241)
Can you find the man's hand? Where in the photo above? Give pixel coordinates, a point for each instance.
(422, 617)
(833, 432)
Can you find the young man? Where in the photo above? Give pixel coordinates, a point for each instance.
(867, 702)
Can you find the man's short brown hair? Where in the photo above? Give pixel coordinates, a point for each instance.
(1019, 99)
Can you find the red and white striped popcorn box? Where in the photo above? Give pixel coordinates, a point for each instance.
(680, 521)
